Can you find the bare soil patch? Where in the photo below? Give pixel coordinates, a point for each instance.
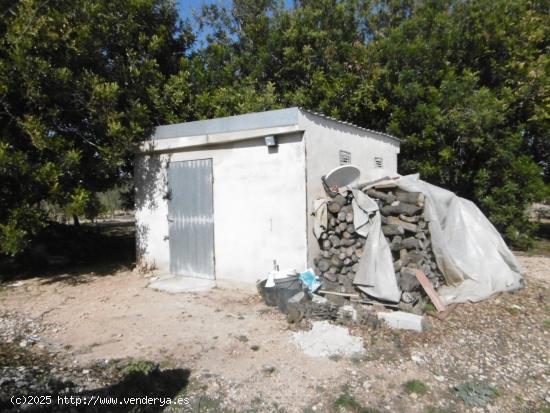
(230, 352)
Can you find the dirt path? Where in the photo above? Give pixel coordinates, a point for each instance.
(238, 351)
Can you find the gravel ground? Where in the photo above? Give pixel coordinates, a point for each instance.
(225, 351)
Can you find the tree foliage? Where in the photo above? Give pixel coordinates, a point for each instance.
(80, 82)
(467, 84)
(464, 84)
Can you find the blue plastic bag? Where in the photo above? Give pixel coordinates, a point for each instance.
(309, 279)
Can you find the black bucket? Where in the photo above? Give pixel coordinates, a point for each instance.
(285, 289)
(269, 294)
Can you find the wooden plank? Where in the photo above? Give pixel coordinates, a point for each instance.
(340, 294)
(375, 303)
(430, 290)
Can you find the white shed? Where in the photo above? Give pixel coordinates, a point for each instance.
(224, 198)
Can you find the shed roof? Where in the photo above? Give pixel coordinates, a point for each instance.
(249, 121)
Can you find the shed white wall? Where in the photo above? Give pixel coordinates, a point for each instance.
(259, 207)
(324, 138)
(151, 211)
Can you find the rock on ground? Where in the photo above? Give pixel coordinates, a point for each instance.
(325, 340)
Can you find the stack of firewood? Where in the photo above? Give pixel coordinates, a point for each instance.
(406, 231)
(341, 246)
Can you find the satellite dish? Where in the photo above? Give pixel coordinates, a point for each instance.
(342, 176)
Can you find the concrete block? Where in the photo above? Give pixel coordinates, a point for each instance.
(403, 321)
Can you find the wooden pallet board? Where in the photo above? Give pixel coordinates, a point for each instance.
(430, 290)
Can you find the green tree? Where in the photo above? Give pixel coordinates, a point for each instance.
(464, 84)
(229, 73)
(467, 87)
(80, 84)
(312, 55)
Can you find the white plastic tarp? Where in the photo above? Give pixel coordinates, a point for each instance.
(469, 251)
(375, 275)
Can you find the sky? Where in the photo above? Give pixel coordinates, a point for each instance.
(187, 9)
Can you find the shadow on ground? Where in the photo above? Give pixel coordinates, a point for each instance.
(31, 374)
(119, 397)
(65, 252)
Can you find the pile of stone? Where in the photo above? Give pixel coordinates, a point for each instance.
(406, 231)
(341, 246)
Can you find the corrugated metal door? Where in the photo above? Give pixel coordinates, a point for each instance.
(191, 218)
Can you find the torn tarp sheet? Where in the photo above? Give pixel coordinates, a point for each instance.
(469, 251)
(375, 275)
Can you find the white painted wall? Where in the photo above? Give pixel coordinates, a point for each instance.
(262, 201)
(324, 138)
(151, 211)
(259, 207)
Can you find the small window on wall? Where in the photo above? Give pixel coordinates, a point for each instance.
(345, 158)
(378, 162)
